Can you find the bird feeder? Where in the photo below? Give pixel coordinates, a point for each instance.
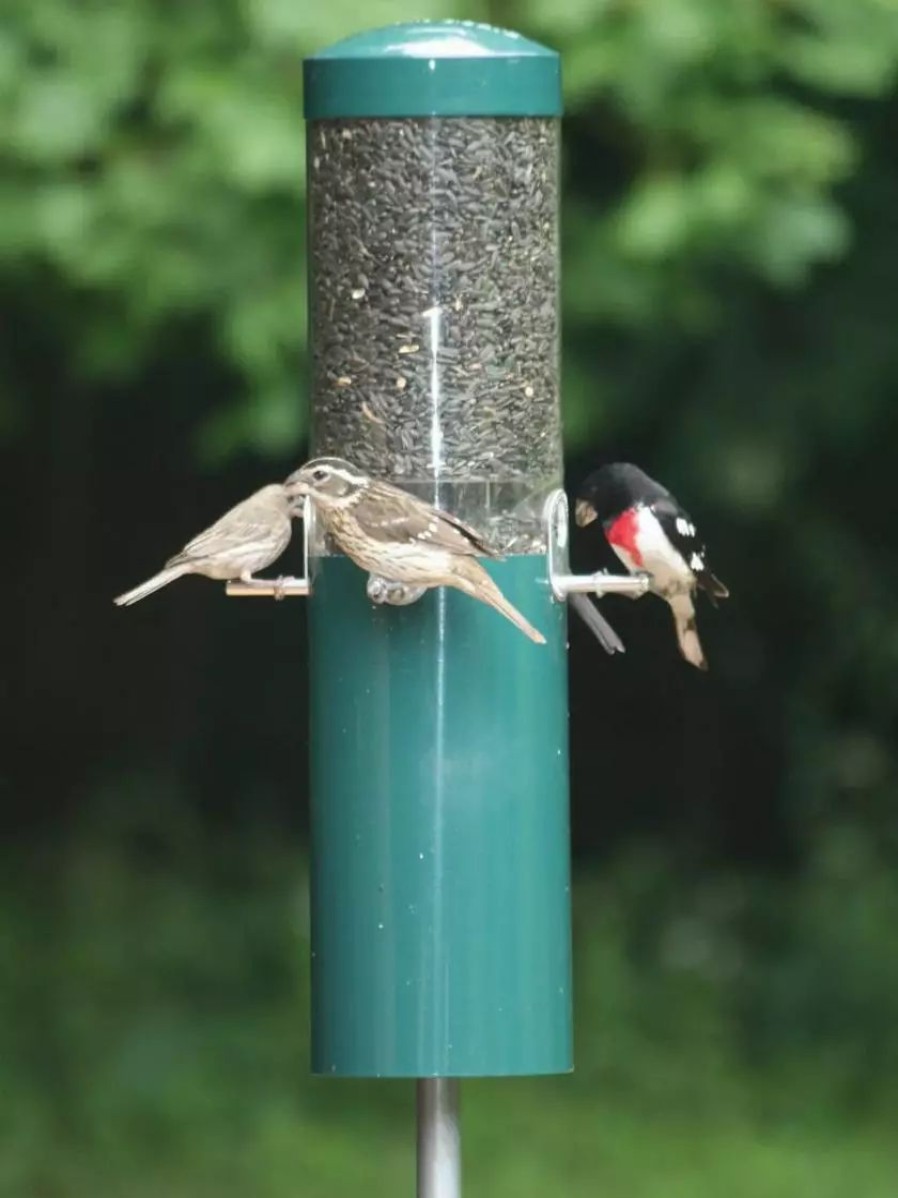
(439, 739)
(440, 876)
(440, 871)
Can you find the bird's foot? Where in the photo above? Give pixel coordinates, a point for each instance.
(397, 594)
(254, 584)
(640, 576)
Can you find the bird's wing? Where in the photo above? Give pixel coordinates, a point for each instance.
(680, 530)
(253, 520)
(390, 514)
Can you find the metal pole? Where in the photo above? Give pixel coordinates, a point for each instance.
(439, 1138)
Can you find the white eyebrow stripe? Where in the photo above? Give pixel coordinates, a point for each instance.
(338, 467)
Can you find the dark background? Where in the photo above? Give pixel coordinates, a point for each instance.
(730, 250)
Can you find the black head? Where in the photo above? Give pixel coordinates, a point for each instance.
(612, 489)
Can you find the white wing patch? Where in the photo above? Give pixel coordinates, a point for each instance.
(429, 531)
(697, 562)
(669, 569)
(684, 527)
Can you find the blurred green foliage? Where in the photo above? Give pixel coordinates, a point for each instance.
(154, 165)
(143, 1065)
(729, 308)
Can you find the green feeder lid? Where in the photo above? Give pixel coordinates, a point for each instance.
(433, 68)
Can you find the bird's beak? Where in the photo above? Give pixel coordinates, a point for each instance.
(584, 512)
(296, 486)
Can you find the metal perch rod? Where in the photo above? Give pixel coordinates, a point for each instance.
(269, 588)
(631, 585)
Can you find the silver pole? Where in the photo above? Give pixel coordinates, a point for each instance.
(439, 1138)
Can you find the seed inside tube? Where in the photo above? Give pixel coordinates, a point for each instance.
(369, 414)
(443, 230)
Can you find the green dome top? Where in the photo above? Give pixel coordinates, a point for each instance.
(433, 68)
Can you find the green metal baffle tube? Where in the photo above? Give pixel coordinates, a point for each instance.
(440, 870)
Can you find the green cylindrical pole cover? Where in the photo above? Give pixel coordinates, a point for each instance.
(440, 862)
(440, 898)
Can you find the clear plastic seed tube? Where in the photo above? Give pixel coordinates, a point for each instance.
(434, 303)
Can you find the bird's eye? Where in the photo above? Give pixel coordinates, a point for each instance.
(319, 475)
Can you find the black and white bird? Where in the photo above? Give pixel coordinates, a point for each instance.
(652, 534)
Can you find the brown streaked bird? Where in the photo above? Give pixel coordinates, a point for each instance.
(247, 538)
(399, 537)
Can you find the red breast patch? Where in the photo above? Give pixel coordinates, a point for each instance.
(623, 532)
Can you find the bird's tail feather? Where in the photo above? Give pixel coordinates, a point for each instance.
(474, 581)
(501, 604)
(596, 623)
(687, 634)
(713, 587)
(162, 579)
